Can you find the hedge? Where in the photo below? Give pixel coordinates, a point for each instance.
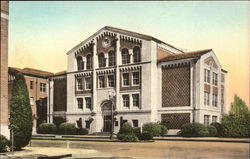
(155, 128)
(47, 128)
(67, 129)
(4, 143)
(212, 131)
(193, 130)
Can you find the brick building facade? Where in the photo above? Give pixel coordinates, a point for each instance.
(4, 110)
(151, 81)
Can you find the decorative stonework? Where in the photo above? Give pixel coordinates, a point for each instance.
(176, 120)
(210, 61)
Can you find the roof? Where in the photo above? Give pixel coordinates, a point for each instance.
(126, 32)
(186, 55)
(60, 73)
(33, 72)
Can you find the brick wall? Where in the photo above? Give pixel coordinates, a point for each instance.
(176, 86)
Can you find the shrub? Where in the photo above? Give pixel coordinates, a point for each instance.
(164, 130)
(82, 131)
(126, 129)
(212, 131)
(20, 112)
(153, 128)
(46, 128)
(219, 128)
(137, 132)
(127, 137)
(67, 129)
(146, 136)
(4, 144)
(193, 130)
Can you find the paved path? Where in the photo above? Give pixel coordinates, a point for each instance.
(154, 150)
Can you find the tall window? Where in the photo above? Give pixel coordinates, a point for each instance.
(222, 78)
(207, 75)
(206, 98)
(135, 100)
(125, 56)
(206, 120)
(80, 103)
(79, 85)
(215, 100)
(88, 83)
(31, 84)
(111, 81)
(101, 81)
(43, 87)
(111, 58)
(88, 102)
(125, 99)
(215, 79)
(125, 79)
(214, 119)
(136, 78)
(89, 61)
(101, 60)
(137, 54)
(80, 65)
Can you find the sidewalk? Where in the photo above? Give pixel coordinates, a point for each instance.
(106, 138)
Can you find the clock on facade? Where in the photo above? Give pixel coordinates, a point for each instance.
(106, 42)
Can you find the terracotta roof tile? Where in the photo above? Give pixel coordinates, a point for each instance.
(185, 55)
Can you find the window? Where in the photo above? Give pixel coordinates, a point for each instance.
(135, 100)
(80, 65)
(206, 98)
(215, 79)
(43, 87)
(31, 84)
(31, 100)
(89, 61)
(101, 60)
(88, 102)
(79, 85)
(88, 83)
(136, 78)
(125, 79)
(137, 54)
(125, 56)
(125, 100)
(111, 81)
(207, 75)
(111, 58)
(135, 123)
(80, 103)
(214, 119)
(101, 81)
(222, 78)
(206, 120)
(215, 100)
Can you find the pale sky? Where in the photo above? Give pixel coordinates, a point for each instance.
(42, 32)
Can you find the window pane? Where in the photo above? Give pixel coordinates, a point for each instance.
(102, 60)
(80, 103)
(125, 100)
(111, 80)
(137, 54)
(101, 81)
(125, 79)
(89, 61)
(88, 83)
(88, 102)
(79, 84)
(111, 58)
(125, 56)
(135, 100)
(136, 77)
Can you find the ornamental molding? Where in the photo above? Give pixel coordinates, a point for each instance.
(130, 68)
(83, 74)
(105, 71)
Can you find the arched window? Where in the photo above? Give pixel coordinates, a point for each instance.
(111, 58)
(125, 56)
(80, 65)
(101, 60)
(89, 61)
(137, 54)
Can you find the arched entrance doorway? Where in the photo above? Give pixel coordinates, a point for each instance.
(106, 107)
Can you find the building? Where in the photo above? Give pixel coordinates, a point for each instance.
(147, 79)
(4, 110)
(37, 85)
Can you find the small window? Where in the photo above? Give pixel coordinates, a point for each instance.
(88, 102)
(101, 81)
(215, 79)
(125, 100)
(125, 56)
(31, 100)
(206, 120)
(215, 100)
(206, 98)
(135, 123)
(43, 87)
(111, 58)
(137, 54)
(89, 61)
(80, 103)
(80, 63)
(88, 83)
(111, 81)
(207, 75)
(79, 84)
(136, 78)
(135, 100)
(31, 84)
(125, 79)
(101, 60)
(214, 119)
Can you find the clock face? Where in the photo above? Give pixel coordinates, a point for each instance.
(106, 42)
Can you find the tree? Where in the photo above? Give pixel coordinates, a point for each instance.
(20, 112)
(238, 107)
